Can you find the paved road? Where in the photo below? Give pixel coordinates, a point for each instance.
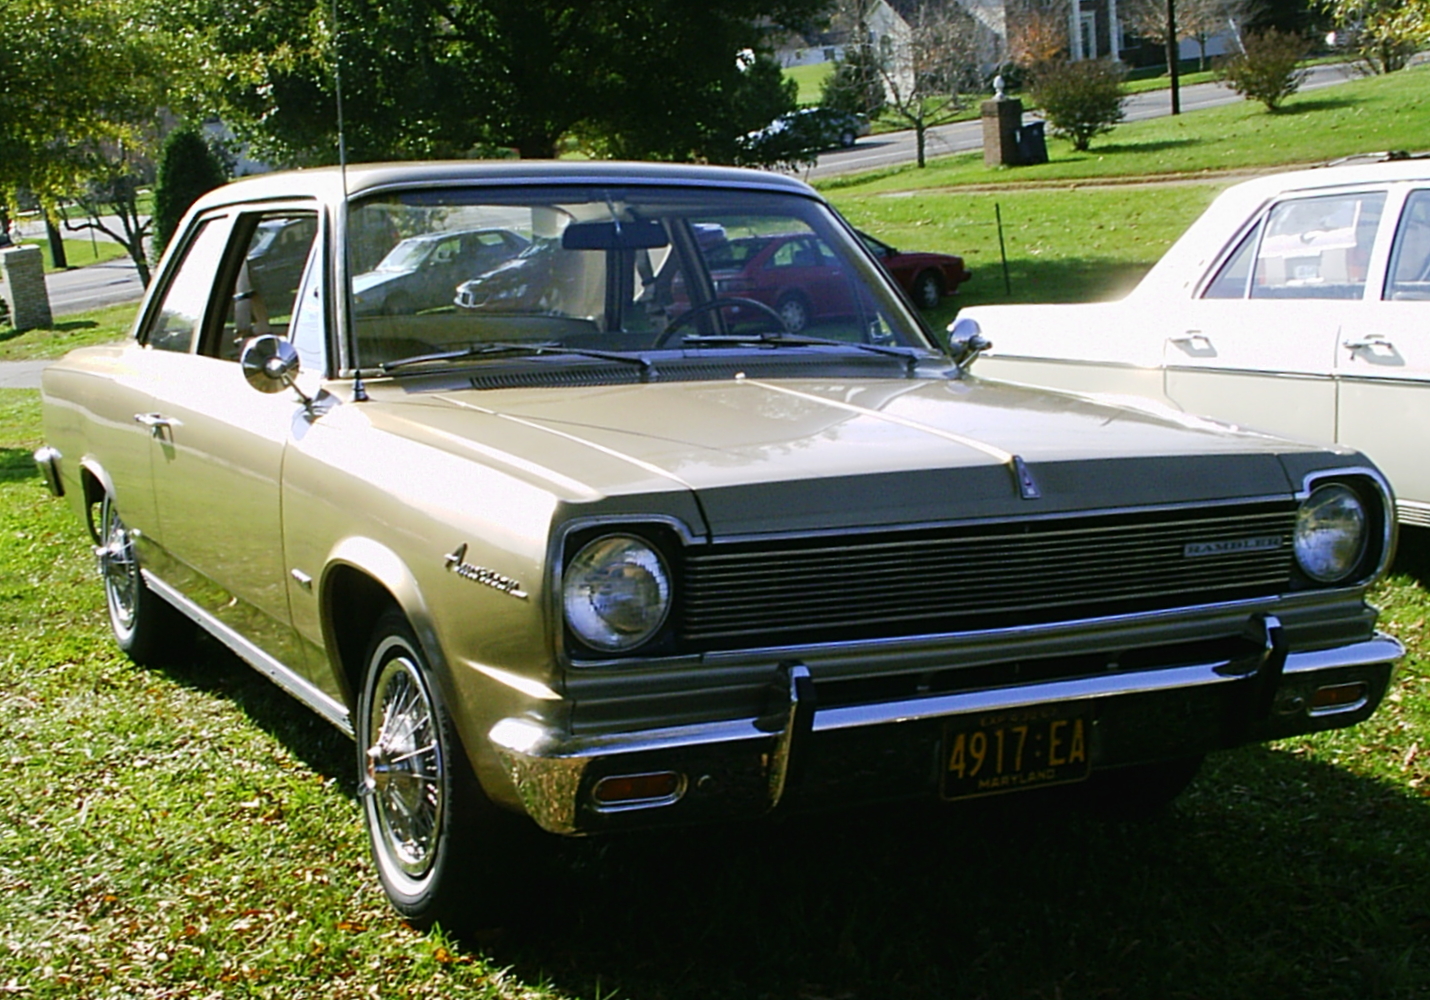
(894, 148)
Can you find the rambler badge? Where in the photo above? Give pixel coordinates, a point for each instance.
(456, 562)
(1192, 549)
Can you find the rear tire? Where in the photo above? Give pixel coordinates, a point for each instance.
(927, 290)
(794, 310)
(432, 832)
(149, 629)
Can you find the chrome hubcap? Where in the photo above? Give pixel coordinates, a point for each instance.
(404, 767)
(118, 567)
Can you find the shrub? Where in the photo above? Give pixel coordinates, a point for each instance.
(1079, 99)
(188, 167)
(1266, 70)
(856, 85)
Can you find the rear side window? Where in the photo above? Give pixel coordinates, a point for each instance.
(1410, 257)
(1304, 248)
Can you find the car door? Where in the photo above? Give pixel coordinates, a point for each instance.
(1383, 360)
(218, 449)
(1256, 346)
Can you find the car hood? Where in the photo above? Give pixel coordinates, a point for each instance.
(802, 454)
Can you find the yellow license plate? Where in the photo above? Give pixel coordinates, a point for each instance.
(1016, 749)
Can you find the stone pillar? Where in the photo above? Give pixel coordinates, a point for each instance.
(23, 271)
(1001, 121)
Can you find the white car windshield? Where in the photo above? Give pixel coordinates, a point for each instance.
(636, 269)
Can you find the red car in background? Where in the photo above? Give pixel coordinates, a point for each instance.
(927, 277)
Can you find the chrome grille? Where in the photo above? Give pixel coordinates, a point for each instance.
(980, 577)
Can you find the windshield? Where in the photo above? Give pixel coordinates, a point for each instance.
(640, 269)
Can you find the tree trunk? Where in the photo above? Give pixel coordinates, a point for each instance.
(920, 136)
(57, 241)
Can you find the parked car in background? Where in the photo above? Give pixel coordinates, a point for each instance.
(422, 272)
(1297, 304)
(276, 257)
(611, 557)
(925, 275)
(805, 132)
(798, 275)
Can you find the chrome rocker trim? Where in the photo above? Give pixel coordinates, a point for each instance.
(275, 670)
(547, 766)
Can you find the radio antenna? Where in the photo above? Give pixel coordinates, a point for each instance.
(359, 391)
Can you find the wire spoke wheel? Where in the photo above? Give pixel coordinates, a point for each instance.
(405, 765)
(119, 569)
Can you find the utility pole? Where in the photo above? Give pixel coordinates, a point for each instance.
(1172, 54)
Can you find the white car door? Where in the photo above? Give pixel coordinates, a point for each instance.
(1383, 360)
(1257, 345)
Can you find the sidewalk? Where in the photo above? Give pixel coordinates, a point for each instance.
(22, 374)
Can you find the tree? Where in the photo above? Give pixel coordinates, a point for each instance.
(856, 85)
(660, 78)
(1383, 34)
(82, 82)
(1266, 69)
(926, 72)
(1080, 99)
(188, 168)
(1037, 33)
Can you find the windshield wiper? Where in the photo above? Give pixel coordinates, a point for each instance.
(499, 348)
(910, 355)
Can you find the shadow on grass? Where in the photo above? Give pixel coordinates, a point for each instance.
(1306, 106)
(1271, 877)
(213, 669)
(17, 463)
(1159, 146)
(64, 326)
(1030, 279)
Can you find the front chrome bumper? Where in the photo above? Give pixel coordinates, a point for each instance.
(741, 768)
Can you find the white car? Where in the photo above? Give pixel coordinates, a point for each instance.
(1298, 304)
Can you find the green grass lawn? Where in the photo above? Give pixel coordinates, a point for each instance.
(99, 326)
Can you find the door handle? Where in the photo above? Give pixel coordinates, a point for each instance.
(157, 423)
(1193, 341)
(1368, 343)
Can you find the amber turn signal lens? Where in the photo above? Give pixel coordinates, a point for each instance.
(623, 789)
(1335, 696)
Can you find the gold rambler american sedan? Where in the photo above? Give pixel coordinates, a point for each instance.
(597, 541)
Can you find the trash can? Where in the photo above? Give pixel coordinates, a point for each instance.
(1032, 144)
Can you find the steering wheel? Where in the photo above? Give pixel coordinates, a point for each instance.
(719, 302)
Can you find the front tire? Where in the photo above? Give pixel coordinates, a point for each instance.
(423, 808)
(149, 630)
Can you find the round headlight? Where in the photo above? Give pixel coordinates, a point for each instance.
(617, 593)
(1330, 533)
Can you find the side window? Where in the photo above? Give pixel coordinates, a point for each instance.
(1230, 281)
(1317, 248)
(264, 284)
(176, 325)
(1410, 257)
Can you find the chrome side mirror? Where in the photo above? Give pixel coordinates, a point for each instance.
(966, 341)
(270, 364)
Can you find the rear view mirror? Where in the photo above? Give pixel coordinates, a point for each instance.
(642, 234)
